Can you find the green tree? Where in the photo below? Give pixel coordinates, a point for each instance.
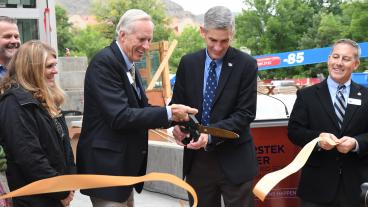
(109, 12)
(355, 18)
(63, 28)
(188, 41)
(88, 42)
(287, 25)
(251, 25)
(330, 29)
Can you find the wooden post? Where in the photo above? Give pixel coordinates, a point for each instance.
(162, 65)
(166, 87)
(148, 67)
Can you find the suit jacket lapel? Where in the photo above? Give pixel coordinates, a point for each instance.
(225, 73)
(198, 72)
(119, 57)
(351, 108)
(325, 99)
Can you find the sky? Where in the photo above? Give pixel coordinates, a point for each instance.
(201, 6)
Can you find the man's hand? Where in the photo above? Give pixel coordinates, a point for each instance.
(201, 142)
(66, 201)
(179, 135)
(180, 112)
(328, 141)
(346, 144)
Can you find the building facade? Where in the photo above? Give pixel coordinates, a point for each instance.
(35, 18)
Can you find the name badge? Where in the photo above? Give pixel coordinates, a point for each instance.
(130, 77)
(354, 101)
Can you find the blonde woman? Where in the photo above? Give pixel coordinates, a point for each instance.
(32, 129)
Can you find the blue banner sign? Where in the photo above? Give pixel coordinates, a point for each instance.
(300, 57)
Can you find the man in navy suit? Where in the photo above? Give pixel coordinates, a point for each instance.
(117, 116)
(335, 109)
(217, 167)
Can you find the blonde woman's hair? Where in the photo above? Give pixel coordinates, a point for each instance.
(27, 68)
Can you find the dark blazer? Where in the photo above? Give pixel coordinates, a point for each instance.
(114, 137)
(36, 148)
(234, 108)
(314, 113)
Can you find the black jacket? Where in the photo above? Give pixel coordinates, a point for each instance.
(35, 149)
(114, 137)
(234, 108)
(313, 113)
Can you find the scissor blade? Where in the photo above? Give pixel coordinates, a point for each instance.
(217, 132)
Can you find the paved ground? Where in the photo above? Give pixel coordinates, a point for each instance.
(145, 199)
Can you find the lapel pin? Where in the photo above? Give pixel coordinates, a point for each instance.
(359, 94)
(230, 64)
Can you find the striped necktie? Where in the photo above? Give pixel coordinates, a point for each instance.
(132, 73)
(340, 104)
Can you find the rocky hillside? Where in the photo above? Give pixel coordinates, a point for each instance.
(82, 7)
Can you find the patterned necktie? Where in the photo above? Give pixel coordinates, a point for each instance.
(340, 104)
(132, 73)
(209, 93)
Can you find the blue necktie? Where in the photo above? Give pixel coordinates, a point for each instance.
(209, 94)
(340, 104)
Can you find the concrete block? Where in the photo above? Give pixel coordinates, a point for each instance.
(72, 79)
(70, 119)
(167, 158)
(74, 100)
(72, 63)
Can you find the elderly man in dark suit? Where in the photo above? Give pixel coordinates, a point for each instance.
(117, 116)
(335, 109)
(221, 82)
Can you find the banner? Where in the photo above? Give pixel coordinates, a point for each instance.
(299, 57)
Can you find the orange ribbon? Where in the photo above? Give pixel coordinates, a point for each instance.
(270, 180)
(75, 182)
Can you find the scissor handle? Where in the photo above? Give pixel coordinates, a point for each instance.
(190, 127)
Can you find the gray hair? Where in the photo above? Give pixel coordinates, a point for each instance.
(129, 17)
(8, 19)
(219, 17)
(351, 43)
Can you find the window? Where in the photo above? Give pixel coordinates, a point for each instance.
(16, 3)
(28, 3)
(28, 29)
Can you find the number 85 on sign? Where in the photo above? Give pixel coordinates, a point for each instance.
(293, 58)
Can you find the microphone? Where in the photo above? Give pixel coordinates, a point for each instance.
(286, 110)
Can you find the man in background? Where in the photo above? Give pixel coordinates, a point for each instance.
(9, 41)
(9, 44)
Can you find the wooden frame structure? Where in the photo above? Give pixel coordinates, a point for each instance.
(165, 52)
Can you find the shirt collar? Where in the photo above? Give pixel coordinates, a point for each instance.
(334, 85)
(209, 60)
(126, 59)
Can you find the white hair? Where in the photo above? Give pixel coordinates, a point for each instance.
(129, 17)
